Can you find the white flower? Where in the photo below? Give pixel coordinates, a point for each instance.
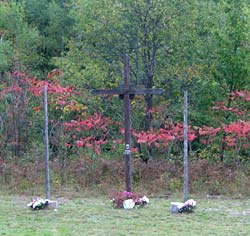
(144, 200)
(128, 204)
(190, 202)
(37, 203)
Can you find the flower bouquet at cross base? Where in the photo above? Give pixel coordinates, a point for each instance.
(38, 203)
(187, 206)
(128, 200)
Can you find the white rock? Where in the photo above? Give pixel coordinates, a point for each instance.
(128, 204)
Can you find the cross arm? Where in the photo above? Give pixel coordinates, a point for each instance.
(147, 91)
(130, 91)
(107, 91)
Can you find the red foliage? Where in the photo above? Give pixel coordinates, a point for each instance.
(13, 88)
(245, 95)
(240, 128)
(37, 87)
(220, 106)
(237, 132)
(92, 131)
(208, 134)
(235, 108)
(164, 136)
(53, 73)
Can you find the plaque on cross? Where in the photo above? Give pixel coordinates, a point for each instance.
(127, 92)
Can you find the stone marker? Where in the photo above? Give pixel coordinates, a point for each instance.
(175, 206)
(179, 207)
(53, 204)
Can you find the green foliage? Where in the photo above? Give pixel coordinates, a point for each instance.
(19, 41)
(36, 30)
(6, 56)
(199, 46)
(231, 63)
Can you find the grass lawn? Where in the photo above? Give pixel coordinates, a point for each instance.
(95, 216)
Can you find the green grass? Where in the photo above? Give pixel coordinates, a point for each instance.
(95, 216)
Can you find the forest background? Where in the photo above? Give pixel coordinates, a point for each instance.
(202, 47)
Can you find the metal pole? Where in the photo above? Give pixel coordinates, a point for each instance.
(46, 144)
(127, 124)
(185, 127)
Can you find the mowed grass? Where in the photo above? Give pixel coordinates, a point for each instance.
(95, 216)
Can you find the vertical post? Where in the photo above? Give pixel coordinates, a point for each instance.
(127, 124)
(185, 127)
(46, 143)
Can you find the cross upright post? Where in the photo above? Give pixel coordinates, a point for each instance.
(127, 124)
(127, 92)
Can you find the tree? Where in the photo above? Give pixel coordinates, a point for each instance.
(55, 26)
(231, 53)
(231, 62)
(15, 111)
(188, 60)
(109, 29)
(19, 42)
(6, 56)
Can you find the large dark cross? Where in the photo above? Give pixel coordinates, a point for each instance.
(127, 92)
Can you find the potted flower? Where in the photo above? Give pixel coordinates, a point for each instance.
(38, 203)
(179, 207)
(128, 200)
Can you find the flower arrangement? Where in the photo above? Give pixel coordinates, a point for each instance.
(187, 206)
(128, 200)
(38, 203)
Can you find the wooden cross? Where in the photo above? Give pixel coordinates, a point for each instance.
(127, 92)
